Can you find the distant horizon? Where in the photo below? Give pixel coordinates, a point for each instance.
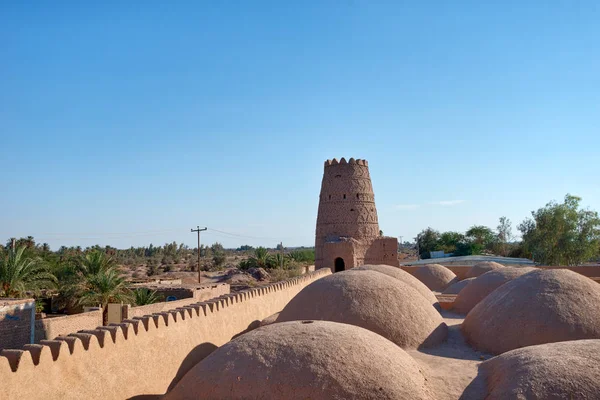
(226, 238)
(124, 125)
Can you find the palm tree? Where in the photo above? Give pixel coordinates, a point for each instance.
(20, 274)
(261, 257)
(144, 296)
(94, 262)
(103, 287)
(279, 260)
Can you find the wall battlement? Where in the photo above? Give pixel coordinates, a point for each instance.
(142, 355)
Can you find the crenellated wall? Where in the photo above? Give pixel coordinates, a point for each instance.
(205, 293)
(49, 328)
(142, 355)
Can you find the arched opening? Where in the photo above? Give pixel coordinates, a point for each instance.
(339, 264)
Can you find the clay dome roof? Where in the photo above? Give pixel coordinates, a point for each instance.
(435, 276)
(481, 268)
(565, 370)
(305, 360)
(456, 287)
(373, 301)
(484, 285)
(543, 306)
(402, 276)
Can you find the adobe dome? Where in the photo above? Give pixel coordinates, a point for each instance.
(543, 306)
(435, 276)
(373, 301)
(481, 268)
(456, 287)
(565, 370)
(402, 276)
(302, 360)
(484, 285)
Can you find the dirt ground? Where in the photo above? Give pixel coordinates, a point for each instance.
(453, 366)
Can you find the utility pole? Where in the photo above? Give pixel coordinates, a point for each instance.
(198, 230)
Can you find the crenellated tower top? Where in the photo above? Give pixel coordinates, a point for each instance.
(343, 161)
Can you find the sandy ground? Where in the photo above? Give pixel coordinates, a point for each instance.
(453, 366)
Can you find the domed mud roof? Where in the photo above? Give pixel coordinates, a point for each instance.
(542, 306)
(305, 360)
(372, 301)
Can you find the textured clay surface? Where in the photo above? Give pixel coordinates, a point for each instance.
(403, 276)
(435, 276)
(485, 284)
(372, 301)
(455, 288)
(482, 267)
(347, 224)
(543, 306)
(305, 360)
(565, 370)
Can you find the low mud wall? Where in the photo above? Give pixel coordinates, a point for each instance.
(207, 293)
(49, 328)
(143, 355)
(17, 317)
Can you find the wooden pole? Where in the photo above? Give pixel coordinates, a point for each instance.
(198, 230)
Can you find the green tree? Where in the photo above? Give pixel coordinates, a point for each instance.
(481, 236)
(102, 288)
(219, 259)
(505, 235)
(20, 274)
(144, 296)
(217, 248)
(261, 257)
(302, 255)
(278, 260)
(94, 262)
(427, 241)
(450, 241)
(562, 234)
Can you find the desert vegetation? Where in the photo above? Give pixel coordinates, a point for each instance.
(75, 277)
(556, 234)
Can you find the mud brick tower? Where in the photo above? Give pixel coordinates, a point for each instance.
(347, 233)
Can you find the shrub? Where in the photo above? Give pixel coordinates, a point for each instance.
(218, 259)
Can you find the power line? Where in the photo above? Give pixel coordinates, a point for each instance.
(243, 236)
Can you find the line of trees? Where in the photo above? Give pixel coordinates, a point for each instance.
(263, 258)
(90, 279)
(556, 234)
(94, 276)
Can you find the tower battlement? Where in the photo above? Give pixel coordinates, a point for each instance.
(343, 161)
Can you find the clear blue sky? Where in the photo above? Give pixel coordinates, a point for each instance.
(129, 124)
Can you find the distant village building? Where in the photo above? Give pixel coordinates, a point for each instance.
(348, 234)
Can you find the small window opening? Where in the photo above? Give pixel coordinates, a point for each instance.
(344, 196)
(357, 196)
